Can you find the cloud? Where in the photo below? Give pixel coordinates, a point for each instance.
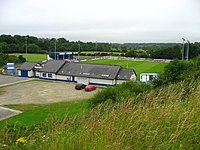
(104, 20)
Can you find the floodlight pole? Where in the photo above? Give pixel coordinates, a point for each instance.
(55, 49)
(95, 49)
(183, 49)
(188, 48)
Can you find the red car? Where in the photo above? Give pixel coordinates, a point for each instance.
(90, 88)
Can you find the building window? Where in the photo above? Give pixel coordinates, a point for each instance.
(44, 75)
(49, 75)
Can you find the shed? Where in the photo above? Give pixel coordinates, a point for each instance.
(10, 66)
(148, 77)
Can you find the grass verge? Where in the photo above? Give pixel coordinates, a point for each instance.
(33, 114)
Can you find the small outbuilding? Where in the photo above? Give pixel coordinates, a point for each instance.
(148, 77)
(125, 75)
(29, 69)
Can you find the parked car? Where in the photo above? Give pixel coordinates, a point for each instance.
(90, 88)
(80, 86)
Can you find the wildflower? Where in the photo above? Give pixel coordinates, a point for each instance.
(3, 145)
(21, 140)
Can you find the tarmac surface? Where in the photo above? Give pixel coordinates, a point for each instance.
(7, 113)
(42, 91)
(5, 81)
(8, 80)
(17, 90)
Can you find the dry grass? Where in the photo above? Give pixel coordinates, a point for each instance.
(166, 118)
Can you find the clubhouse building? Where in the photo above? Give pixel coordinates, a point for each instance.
(61, 70)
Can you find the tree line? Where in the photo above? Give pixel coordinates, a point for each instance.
(18, 43)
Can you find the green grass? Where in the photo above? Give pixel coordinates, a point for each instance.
(33, 57)
(138, 66)
(165, 118)
(33, 113)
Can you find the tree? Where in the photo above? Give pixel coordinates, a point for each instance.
(172, 73)
(33, 48)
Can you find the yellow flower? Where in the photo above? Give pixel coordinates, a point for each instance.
(20, 140)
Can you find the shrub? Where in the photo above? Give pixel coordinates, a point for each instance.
(120, 92)
(171, 73)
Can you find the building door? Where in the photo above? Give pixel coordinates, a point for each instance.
(24, 73)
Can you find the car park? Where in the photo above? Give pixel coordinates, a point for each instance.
(80, 86)
(90, 88)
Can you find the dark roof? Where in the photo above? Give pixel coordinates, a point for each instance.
(90, 70)
(125, 74)
(52, 66)
(27, 66)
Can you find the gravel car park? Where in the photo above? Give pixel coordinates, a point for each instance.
(38, 92)
(7, 80)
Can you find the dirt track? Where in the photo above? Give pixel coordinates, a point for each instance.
(38, 92)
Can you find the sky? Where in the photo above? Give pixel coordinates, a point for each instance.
(114, 21)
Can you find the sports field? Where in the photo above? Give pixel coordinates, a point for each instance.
(33, 57)
(138, 66)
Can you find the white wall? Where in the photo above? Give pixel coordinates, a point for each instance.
(133, 77)
(146, 77)
(19, 72)
(37, 74)
(102, 81)
(62, 77)
(53, 75)
(121, 81)
(30, 73)
(85, 80)
(82, 80)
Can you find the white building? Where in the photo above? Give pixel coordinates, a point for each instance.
(50, 69)
(97, 74)
(89, 73)
(148, 77)
(29, 69)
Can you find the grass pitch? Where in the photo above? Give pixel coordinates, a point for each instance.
(33, 57)
(138, 66)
